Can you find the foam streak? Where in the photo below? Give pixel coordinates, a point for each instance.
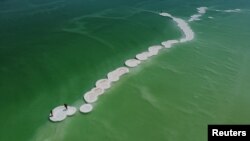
(201, 11)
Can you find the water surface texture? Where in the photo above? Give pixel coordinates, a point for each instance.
(53, 51)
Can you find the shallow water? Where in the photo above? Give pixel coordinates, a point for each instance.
(53, 52)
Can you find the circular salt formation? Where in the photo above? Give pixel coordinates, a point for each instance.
(116, 74)
(60, 113)
(150, 54)
(122, 70)
(154, 48)
(113, 76)
(132, 63)
(142, 56)
(103, 83)
(70, 111)
(90, 97)
(97, 91)
(86, 108)
(169, 43)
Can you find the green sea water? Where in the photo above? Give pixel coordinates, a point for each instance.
(52, 52)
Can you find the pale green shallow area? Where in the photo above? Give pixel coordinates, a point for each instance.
(51, 52)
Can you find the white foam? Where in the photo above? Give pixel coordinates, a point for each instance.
(60, 113)
(229, 10)
(86, 108)
(201, 11)
(210, 17)
(103, 83)
(132, 63)
(166, 14)
(233, 10)
(195, 17)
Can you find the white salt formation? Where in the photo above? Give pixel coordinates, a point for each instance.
(113, 76)
(153, 50)
(103, 84)
(97, 91)
(142, 56)
(169, 43)
(201, 11)
(116, 74)
(90, 97)
(86, 108)
(121, 71)
(60, 113)
(188, 32)
(132, 63)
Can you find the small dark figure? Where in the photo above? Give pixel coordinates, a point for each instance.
(51, 113)
(66, 106)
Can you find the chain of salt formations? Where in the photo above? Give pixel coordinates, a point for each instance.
(59, 113)
(100, 87)
(104, 84)
(201, 12)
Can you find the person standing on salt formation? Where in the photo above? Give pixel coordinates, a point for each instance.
(66, 106)
(51, 113)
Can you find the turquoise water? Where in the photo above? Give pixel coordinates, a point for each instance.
(52, 52)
